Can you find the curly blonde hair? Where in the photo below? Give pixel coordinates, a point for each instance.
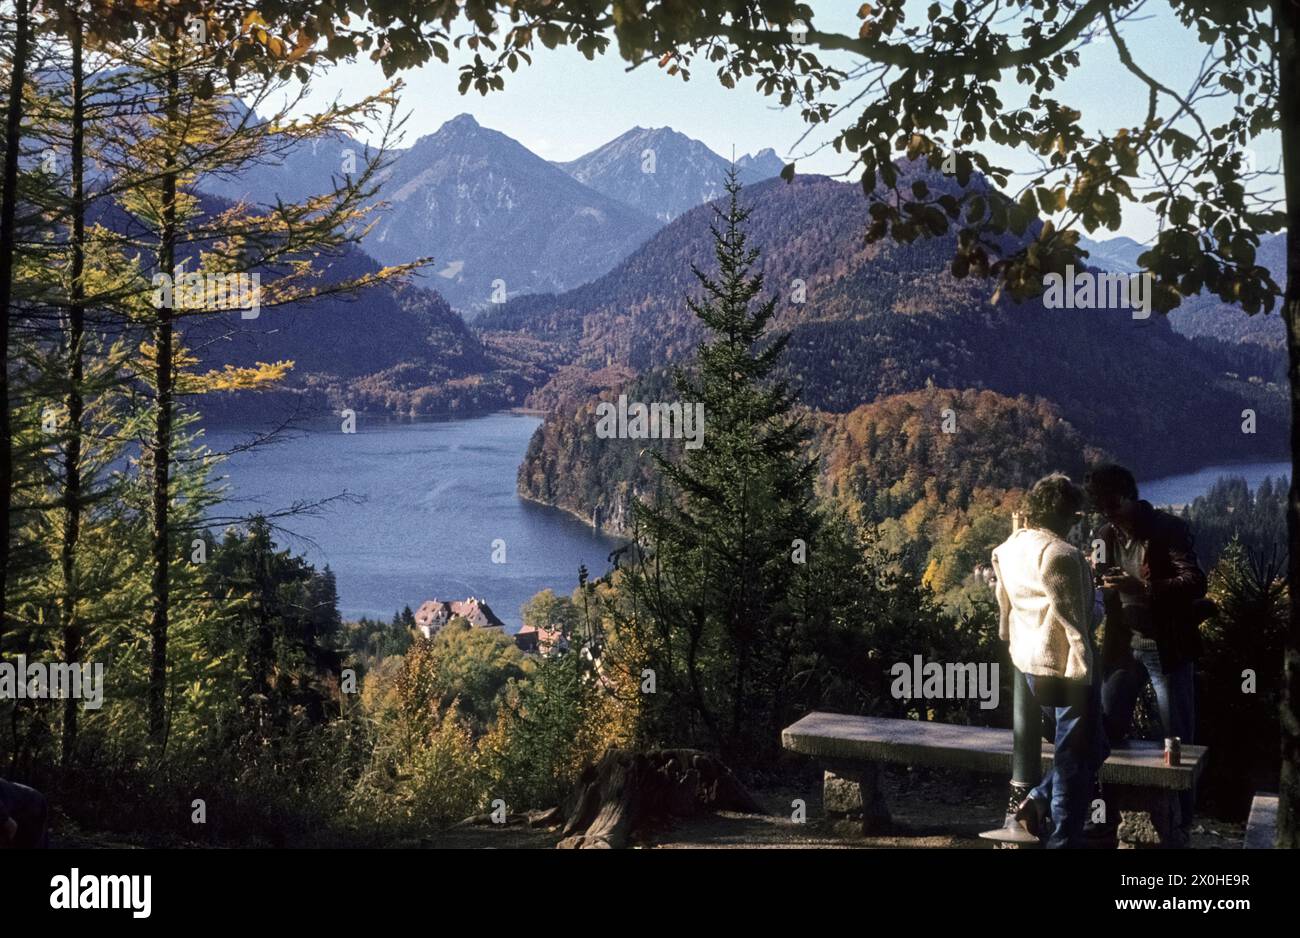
(1053, 496)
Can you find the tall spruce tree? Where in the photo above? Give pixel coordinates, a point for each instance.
(722, 544)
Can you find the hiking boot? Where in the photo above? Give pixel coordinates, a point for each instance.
(1031, 814)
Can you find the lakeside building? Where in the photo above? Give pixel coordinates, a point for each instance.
(433, 614)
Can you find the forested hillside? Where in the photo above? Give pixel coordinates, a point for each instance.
(596, 479)
(1206, 315)
(873, 320)
(940, 470)
(394, 347)
(1209, 316)
(937, 471)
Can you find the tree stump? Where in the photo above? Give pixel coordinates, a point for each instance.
(628, 791)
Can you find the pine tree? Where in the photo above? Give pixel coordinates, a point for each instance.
(189, 131)
(72, 416)
(8, 212)
(721, 541)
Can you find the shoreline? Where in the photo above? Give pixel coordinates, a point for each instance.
(572, 513)
(1283, 458)
(381, 417)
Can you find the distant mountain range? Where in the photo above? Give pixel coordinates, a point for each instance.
(1118, 255)
(1207, 316)
(500, 221)
(1210, 317)
(497, 219)
(302, 171)
(664, 173)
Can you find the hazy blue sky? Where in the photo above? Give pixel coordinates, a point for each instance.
(564, 106)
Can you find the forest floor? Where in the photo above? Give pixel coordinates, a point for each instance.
(930, 809)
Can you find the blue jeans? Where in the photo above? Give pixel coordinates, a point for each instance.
(1175, 704)
(1072, 719)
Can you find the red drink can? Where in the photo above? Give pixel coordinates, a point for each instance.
(1173, 751)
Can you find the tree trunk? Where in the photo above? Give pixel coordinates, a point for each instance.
(742, 668)
(76, 340)
(626, 792)
(1286, 14)
(8, 213)
(693, 671)
(161, 447)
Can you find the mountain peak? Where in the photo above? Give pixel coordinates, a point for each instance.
(761, 165)
(652, 134)
(454, 132)
(663, 172)
(492, 211)
(461, 122)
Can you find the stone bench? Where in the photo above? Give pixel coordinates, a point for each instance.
(851, 748)
(1261, 826)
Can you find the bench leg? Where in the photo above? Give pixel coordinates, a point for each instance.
(853, 799)
(1148, 817)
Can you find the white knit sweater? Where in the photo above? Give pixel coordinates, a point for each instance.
(1045, 604)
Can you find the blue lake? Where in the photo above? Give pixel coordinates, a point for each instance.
(1182, 489)
(433, 497)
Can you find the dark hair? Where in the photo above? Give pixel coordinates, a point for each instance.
(1054, 496)
(1109, 479)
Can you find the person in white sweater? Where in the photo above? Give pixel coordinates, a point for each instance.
(1046, 614)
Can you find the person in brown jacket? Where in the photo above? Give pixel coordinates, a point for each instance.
(1153, 589)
